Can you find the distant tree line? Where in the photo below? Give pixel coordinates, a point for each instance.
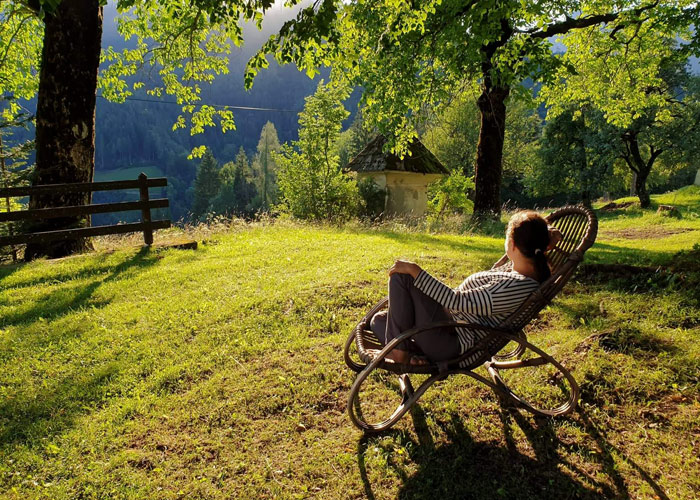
(242, 187)
(302, 178)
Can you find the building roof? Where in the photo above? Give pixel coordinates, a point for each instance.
(373, 159)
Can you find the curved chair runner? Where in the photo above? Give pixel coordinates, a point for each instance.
(579, 227)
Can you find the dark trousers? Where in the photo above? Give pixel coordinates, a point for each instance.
(410, 308)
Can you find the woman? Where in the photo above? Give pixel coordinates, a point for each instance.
(417, 299)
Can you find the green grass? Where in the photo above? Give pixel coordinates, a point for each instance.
(127, 174)
(188, 374)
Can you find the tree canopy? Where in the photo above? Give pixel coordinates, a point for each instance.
(413, 55)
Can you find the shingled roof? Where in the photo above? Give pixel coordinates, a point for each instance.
(373, 159)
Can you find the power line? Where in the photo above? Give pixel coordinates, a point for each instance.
(224, 106)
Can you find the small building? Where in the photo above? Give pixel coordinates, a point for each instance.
(405, 180)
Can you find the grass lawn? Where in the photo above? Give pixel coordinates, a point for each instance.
(218, 373)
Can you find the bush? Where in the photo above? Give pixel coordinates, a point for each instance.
(449, 196)
(373, 198)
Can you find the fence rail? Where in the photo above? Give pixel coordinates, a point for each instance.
(82, 187)
(145, 205)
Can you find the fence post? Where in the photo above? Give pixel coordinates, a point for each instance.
(145, 210)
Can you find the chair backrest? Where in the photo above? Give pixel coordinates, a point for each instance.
(579, 227)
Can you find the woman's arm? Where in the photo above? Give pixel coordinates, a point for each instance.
(555, 237)
(476, 301)
(473, 300)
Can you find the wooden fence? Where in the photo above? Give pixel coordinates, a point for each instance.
(145, 204)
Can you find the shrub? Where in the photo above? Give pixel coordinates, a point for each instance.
(373, 198)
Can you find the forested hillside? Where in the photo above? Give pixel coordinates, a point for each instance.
(138, 132)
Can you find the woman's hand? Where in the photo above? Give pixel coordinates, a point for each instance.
(405, 267)
(555, 237)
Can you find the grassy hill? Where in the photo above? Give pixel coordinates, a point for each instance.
(218, 373)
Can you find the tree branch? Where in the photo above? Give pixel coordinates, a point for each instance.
(570, 23)
(654, 155)
(12, 39)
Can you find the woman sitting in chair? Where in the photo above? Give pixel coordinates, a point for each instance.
(418, 299)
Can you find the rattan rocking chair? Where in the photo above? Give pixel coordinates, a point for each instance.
(579, 227)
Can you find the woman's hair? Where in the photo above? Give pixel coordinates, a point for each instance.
(530, 233)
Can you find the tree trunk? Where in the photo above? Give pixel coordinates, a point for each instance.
(640, 167)
(489, 152)
(586, 199)
(65, 117)
(640, 183)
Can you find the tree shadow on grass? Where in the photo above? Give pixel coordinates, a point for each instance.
(467, 246)
(608, 253)
(31, 415)
(30, 418)
(7, 269)
(541, 435)
(62, 301)
(89, 269)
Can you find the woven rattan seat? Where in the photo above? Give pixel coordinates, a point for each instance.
(579, 227)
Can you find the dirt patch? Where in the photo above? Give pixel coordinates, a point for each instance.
(616, 206)
(646, 232)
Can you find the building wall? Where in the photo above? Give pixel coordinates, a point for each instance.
(406, 191)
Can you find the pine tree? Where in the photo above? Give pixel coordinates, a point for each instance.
(237, 189)
(206, 185)
(265, 167)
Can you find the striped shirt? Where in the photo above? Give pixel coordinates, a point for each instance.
(486, 298)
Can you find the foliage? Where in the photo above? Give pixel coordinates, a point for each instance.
(578, 152)
(20, 53)
(449, 196)
(184, 44)
(373, 198)
(452, 135)
(19, 62)
(265, 167)
(206, 185)
(646, 92)
(188, 44)
(410, 56)
(238, 192)
(420, 60)
(623, 70)
(521, 146)
(155, 28)
(14, 168)
(310, 179)
(354, 139)
(344, 147)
